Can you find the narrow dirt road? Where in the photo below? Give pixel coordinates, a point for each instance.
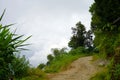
(81, 69)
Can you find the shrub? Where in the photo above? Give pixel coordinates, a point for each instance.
(35, 74)
(102, 75)
(41, 66)
(116, 72)
(10, 43)
(61, 63)
(79, 50)
(50, 57)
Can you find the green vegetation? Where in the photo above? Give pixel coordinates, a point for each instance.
(105, 26)
(81, 37)
(117, 71)
(20, 67)
(10, 45)
(61, 61)
(78, 37)
(41, 66)
(81, 44)
(102, 75)
(105, 70)
(12, 65)
(35, 74)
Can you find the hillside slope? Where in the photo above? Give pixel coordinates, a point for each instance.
(81, 69)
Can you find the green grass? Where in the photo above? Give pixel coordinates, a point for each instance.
(61, 63)
(102, 75)
(105, 72)
(98, 56)
(35, 74)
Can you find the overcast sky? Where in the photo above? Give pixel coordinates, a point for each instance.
(48, 21)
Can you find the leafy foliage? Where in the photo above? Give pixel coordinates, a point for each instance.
(78, 37)
(81, 38)
(20, 67)
(61, 61)
(117, 72)
(102, 75)
(106, 26)
(50, 57)
(57, 53)
(41, 66)
(77, 51)
(35, 74)
(105, 15)
(10, 43)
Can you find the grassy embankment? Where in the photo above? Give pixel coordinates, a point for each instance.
(104, 73)
(61, 62)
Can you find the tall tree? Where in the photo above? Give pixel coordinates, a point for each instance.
(78, 37)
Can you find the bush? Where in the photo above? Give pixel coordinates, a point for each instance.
(79, 50)
(50, 57)
(61, 63)
(102, 75)
(10, 43)
(106, 72)
(41, 66)
(35, 74)
(116, 72)
(20, 67)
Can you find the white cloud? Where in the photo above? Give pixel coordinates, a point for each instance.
(48, 21)
(40, 56)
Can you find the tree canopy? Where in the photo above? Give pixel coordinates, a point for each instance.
(105, 15)
(106, 26)
(81, 37)
(78, 37)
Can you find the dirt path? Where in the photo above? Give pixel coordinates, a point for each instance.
(81, 69)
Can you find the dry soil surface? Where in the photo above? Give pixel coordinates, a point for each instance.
(81, 69)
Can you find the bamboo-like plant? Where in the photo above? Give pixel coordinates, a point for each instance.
(10, 43)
